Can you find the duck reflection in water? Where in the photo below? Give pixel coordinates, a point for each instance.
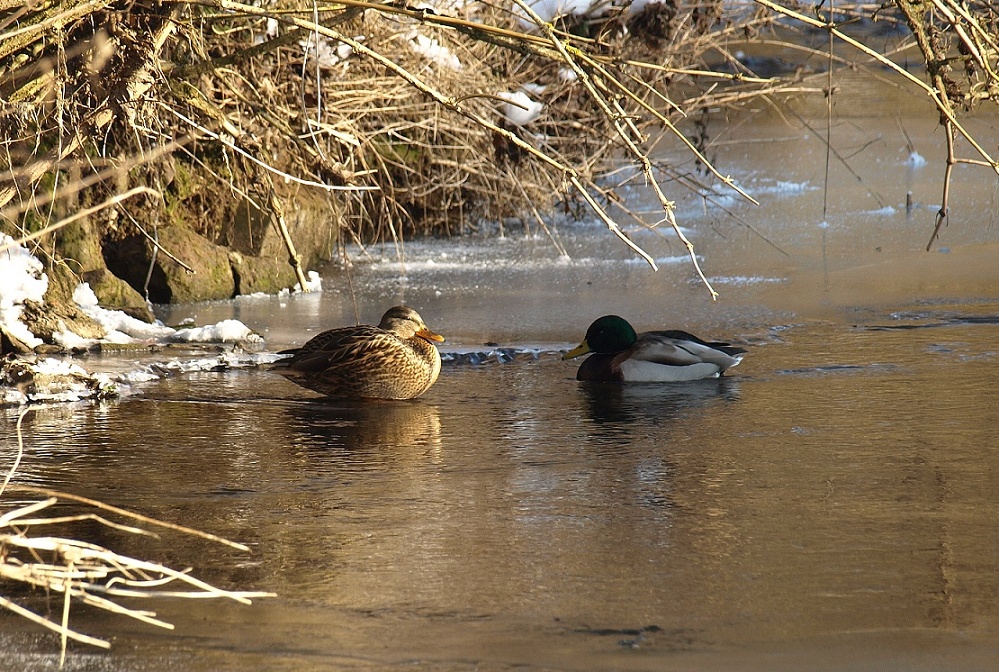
(651, 402)
(368, 433)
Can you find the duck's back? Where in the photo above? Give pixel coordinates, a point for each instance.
(363, 361)
(680, 335)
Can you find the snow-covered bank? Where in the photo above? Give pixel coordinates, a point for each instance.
(43, 378)
(22, 280)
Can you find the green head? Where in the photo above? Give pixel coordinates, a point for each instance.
(608, 335)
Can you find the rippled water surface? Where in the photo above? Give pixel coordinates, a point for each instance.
(831, 505)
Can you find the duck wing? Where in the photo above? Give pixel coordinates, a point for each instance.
(679, 348)
(337, 347)
(678, 335)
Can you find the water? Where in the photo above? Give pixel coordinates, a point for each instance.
(829, 506)
(835, 504)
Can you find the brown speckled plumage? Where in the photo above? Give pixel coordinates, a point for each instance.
(395, 360)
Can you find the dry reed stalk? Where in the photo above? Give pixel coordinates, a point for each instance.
(86, 572)
(934, 25)
(398, 143)
(425, 170)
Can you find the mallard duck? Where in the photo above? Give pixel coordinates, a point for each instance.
(395, 360)
(621, 355)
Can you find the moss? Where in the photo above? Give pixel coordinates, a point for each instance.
(210, 276)
(59, 312)
(261, 274)
(183, 184)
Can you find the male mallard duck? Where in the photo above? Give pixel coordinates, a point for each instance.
(395, 360)
(620, 355)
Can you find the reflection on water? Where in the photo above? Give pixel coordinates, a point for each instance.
(834, 498)
(618, 405)
(363, 433)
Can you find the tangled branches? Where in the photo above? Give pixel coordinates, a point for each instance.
(404, 119)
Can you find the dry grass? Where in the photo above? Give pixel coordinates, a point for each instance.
(103, 96)
(87, 573)
(399, 144)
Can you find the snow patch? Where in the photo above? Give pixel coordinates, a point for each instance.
(782, 187)
(433, 51)
(886, 211)
(519, 108)
(51, 380)
(313, 283)
(226, 331)
(22, 278)
(123, 328)
(34, 379)
(638, 5)
(328, 54)
(744, 280)
(914, 160)
(548, 10)
(116, 321)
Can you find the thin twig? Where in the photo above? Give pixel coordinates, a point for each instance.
(128, 514)
(46, 623)
(936, 94)
(20, 450)
(944, 211)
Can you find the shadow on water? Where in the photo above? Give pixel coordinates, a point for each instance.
(363, 431)
(610, 404)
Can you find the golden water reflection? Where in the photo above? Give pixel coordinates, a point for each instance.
(836, 495)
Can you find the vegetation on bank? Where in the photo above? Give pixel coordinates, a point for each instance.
(147, 141)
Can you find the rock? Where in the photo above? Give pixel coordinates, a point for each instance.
(11, 343)
(260, 259)
(32, 379)
(60, 312)
(241, 251)
(79, 246)
(114, 293)
(261, 274)
(133, 260)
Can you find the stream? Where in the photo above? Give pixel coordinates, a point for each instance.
(828, 505)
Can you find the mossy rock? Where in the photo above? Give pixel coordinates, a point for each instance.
(60, 312)
(114, 293)
(261, 274)
(80, 248)
(246, 253)
(260, 258)
(210, 278)
(79, 245)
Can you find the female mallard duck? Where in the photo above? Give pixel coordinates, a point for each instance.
(395, 360)
(620, 355)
